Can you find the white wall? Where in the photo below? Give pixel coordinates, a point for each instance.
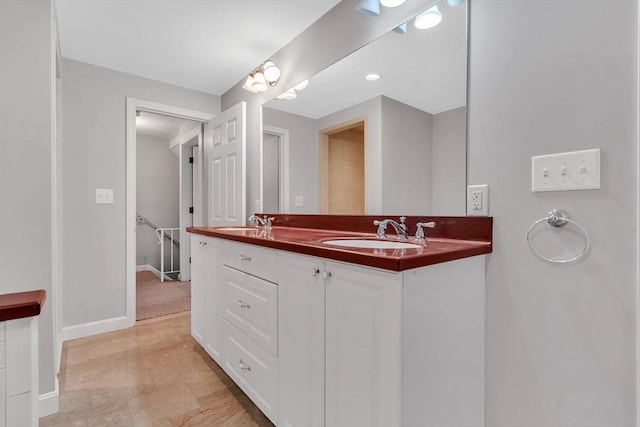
(27, 102)
(157, 196)
(549, 77)
(93, 156)
(449, 162)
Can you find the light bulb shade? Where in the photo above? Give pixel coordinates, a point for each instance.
(428, 19)
(301, 85)
(271, 72)
(401, 29)
(259, 83)
(371, 7)
(392, 3)
(248, 84)
(455, 3)
(288, 95)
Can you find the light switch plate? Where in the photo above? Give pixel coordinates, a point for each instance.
(478, 200)
(104, 196)
(299, 201)
(576, 170)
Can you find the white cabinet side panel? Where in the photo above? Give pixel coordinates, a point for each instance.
(443, 345)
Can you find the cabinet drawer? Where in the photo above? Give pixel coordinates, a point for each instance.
(252, 368)
(252, 259)
(251, 304)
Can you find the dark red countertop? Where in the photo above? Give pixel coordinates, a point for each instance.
(21, 304)
(309, 240)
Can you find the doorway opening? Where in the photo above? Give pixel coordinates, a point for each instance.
(275, 170)
(342, 168)
(159, 185)
(164, 189)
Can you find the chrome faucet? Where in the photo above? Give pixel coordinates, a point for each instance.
(264, 221)
(400, 227)
(420, 230)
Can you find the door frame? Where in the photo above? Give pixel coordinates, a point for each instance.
(189, 174)
(132, 105)
(283, 134)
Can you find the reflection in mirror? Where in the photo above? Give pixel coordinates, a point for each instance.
(396, 145)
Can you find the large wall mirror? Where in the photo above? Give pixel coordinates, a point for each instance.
(396, 145)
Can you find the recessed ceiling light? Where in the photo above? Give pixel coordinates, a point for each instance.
(372, 77)
(428, 19)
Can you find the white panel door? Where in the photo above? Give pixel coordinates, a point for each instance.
(301, 341)
(227, 167)
(363, 341)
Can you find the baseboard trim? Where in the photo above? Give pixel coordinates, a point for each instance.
(48, 403)
(151, 268)
(95, 328)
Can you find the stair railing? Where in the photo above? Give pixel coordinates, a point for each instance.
(163, 233)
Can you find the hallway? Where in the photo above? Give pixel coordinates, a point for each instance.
(153, 374)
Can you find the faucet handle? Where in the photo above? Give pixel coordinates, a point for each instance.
(268, 221)
(420, 230)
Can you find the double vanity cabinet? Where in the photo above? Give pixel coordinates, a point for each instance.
(317, 341)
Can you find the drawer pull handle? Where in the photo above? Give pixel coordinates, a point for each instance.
(314, 271)
(245, 258)
(243, 304)
(242, 366)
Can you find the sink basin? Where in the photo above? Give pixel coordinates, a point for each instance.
(371, 244)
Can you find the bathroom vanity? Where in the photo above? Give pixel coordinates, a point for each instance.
(377, 334)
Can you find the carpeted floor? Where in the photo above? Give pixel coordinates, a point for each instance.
(155, 298)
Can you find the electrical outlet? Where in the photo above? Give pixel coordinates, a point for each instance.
(299, 201)
(478, 200)
(256, 205)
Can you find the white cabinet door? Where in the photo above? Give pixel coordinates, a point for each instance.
(197, 287)
(301, 341)
(212, 301)
(363, 347)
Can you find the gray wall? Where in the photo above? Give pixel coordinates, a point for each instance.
(407, 152)
(271, 173)
(547, 78)
(449, 162)
(157, 196)
(26, 99)
(93, 156)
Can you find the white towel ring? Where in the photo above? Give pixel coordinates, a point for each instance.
(559, 218)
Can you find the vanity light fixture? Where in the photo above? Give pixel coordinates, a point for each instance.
(293, 92)
(371, 7)
(428, 19)
(392, 3)
(401, 29)
(373, 77)
(262, 78)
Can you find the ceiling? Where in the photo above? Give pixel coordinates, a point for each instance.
(206, 45)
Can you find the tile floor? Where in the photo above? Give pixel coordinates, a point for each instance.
(153, 374)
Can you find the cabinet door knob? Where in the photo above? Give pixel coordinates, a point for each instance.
(204, 243)
(242, 366)
(315, 271)
(326, 275)
(243, 304)
(245, 258)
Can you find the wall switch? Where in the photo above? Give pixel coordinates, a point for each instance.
(256, 205)
(478, 200)
(104, 196)
(577, 170)
(299, 201)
